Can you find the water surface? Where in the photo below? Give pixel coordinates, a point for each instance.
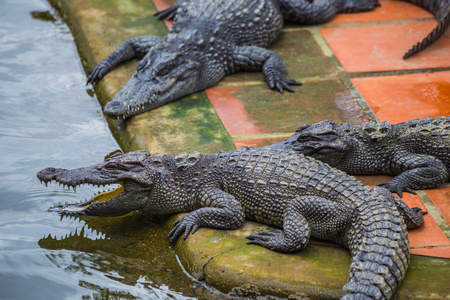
(48, 119)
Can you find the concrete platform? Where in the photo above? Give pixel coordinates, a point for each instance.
(351, 70)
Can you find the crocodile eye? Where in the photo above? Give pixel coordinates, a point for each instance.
(163, 71)
(304, 138)
(384, 130)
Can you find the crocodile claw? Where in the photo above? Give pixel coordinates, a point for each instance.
(267, 239)
(96, 74)
(396, 188)
(187, 224)
(418, 211)
(282, 84)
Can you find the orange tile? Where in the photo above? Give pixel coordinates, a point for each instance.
(232, 112)
(430, 234)
(432, 251)
(404, 97)
(381, 47)
(389, 11)
(259, 142)
(441, 199)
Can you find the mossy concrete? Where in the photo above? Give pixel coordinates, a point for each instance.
(220, 258)
(224, 260)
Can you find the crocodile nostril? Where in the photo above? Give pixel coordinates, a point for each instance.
(112, 103)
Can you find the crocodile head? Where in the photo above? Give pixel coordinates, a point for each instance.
(131, 170)
(320, 141)
(164, 74)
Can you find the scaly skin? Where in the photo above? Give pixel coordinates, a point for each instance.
(441, 11)
(298, 194)
(209, 40)
(416, 152)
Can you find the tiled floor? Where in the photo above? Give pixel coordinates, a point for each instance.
(352, 71)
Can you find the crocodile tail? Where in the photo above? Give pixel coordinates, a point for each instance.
(438, 31)
(379, 246)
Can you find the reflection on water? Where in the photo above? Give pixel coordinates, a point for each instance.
(47, 119)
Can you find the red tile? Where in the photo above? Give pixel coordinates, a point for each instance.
(430, 234)
(441, 199)
(381, 47)
(232, 112)
(389, 11)
(404, 97)
(432, 251)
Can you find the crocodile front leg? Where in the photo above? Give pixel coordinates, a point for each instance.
(417, 171)
(303, 217)
(251, 58)
(218, 209)
(135, 47)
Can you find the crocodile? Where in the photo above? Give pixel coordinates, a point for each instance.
(302, 196)
(441, 11)
(209, 40)
(416, 152)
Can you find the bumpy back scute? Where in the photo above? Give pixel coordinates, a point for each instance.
(184, 160)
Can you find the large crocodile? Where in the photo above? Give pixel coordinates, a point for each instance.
(417, 151)
(302, 196)
(209, 40)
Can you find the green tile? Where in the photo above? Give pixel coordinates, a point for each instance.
(315, 101)
(301, 55)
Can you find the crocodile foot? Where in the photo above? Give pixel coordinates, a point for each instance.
(187, 224)
(393, 188)
(276, 241)
(281, 83)
(96, 74)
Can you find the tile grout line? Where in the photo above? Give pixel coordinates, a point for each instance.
(397, 72)
(428, 246)
(356, 24)
(434, 212)
(342, 74)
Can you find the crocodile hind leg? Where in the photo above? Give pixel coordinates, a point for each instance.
(320, 11)
(216, 209)
(252, 58)
(305, 216)
(133, 48)
(417, 172)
